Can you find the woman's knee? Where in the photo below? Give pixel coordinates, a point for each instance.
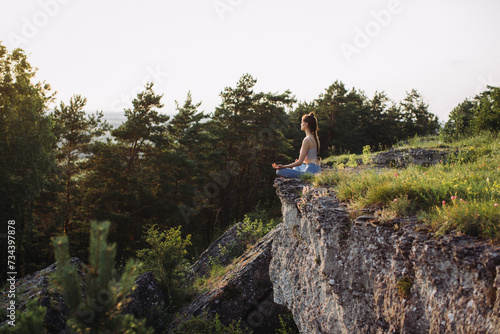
(281, 172)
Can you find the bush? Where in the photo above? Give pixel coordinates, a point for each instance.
(252, 231)
(166, 257)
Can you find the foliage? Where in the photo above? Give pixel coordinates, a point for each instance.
(248, 130)
(74, 130)
(417, 120)
(460, 120)
(487, 113)
(477, 218)
(99, 311)
(287, 325)
(144, 126)
(367, 157)
(166, 257)
(472, 117)
(254, 226)
(31, 320)
(349, 120)
(26, 155)
(401, 206)
(203, 324)
(251, 231)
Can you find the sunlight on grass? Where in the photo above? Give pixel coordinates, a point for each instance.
(461, 194)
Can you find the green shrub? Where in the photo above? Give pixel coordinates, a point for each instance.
(401, 206)
(287, 325)
(367, 155)
(252, 231)
(31, 320)
(166, 257)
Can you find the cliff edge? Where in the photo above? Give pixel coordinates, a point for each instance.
(339, 275)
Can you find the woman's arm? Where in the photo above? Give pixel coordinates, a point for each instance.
(306, 144)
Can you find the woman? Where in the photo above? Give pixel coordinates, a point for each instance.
(309, 152)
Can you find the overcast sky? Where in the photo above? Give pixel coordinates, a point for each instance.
(106, 50)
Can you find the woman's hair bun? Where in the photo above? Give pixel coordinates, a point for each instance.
(311, 114)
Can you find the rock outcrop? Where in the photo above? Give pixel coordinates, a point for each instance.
(245, 293)
(202, 266)
(337, 275)
(147, 295)
(37, 286)
(415, 156)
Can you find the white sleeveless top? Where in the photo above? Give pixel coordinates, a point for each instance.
(312, 153)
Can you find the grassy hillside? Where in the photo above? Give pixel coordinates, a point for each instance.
(461, 193)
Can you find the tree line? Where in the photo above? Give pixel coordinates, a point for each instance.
(474, 115)
(62, 167)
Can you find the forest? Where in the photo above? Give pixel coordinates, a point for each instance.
(62, 167)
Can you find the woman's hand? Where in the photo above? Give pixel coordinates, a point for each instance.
(277, 166)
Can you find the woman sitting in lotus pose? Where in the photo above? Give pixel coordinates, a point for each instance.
(309, 152)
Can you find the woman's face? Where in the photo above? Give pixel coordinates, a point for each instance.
(303, 125)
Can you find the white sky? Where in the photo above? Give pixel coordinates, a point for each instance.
(106, 50)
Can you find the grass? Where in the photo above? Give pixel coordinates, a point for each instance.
(462, 194)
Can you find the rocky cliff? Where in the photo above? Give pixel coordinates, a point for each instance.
(339, 275)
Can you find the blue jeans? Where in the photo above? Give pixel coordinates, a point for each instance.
(300, 170)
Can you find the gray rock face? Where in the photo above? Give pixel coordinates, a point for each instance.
(37, 286)
(245, 293)
(202, 266)
(404, 157)
(342, 276)
(146, 295)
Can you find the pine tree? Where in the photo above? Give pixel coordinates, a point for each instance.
(99, 309)
(460, 120)
(143, 127)
(75, 131)
(487, 112)
(248, 133)
(340, 116)
(417, 120)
